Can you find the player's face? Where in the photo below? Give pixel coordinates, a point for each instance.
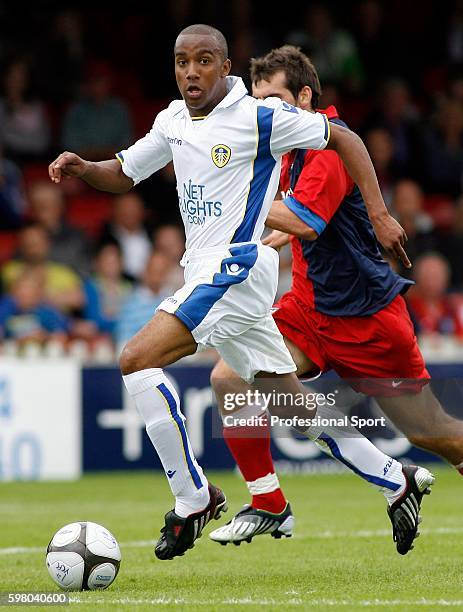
(275, 87)
(200, 71)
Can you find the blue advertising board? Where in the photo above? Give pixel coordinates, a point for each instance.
(114, 435)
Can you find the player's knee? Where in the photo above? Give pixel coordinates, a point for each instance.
(220, 381)
(133, 359)
(128, 360)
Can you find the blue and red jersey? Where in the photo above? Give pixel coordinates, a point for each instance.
(342, 273)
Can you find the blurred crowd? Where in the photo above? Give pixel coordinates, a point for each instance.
(82, 271)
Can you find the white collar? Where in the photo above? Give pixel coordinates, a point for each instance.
(236, 90)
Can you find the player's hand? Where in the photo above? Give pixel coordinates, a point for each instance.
(392, 236)
(68, 165)
(276, 239)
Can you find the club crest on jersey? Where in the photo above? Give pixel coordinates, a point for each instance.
(221, 155)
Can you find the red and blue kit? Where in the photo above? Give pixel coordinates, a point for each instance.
(345, 310)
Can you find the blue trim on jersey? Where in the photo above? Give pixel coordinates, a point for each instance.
(120, 157)
(263, 168)
(327, 128)
(305, 214)
(164, 391)
(203, 297)
(334, 448)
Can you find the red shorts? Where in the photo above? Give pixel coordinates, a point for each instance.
(378, 354)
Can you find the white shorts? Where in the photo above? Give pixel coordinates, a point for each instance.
(226, 304)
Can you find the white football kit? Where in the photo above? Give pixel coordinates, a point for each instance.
(228, 167)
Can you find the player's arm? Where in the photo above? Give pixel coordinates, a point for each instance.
(356, 158)
(283, 219)
(293, 128)
(321, 187)
(105, 175)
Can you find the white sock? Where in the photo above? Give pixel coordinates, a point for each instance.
(347, 445)
(159, 406)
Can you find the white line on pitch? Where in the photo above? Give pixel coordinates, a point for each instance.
(323, 535)
(364, 603)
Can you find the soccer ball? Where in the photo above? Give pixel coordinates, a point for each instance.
(83, 556)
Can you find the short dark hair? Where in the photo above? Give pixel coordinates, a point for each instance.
(32, 224)
(298, 69)
(207, 30)
(108, 241)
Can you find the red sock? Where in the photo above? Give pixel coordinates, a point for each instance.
(459, 468)
(250, 447)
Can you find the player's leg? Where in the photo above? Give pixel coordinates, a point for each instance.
(306, 333)
(403, 486)
(422, 419)
(365, 352)
(251, 449)
(390, 367)
(348, 446)
(269, 511)
(162, 341)
(250, 445)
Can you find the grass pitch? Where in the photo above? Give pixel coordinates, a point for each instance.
(341, 558)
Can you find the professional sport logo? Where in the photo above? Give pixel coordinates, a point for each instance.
(221, 155)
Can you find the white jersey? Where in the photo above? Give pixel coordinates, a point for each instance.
(227, 164)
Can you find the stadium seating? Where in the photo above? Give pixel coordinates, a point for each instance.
(34, 172)
(89, 211)
(441, 208)
(8, 242)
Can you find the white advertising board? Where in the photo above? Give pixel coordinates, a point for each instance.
(40, 419)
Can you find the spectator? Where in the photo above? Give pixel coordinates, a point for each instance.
(12, 200)
(433, 310)
(139, 307)
(419, 227)
(250, 37)
(63, 55)
(332, 50)
(170, 240)
(99, 125)
(454, 34)
(173, 16)
(330, 95)
(63, 288)
(381, 148)
(68, 245)
(455, 85)
(372, 38)
(25, 315)
(397, 114)
(452, 247)
(24, 128)
(128, 230)
(106, 290)
(443, 149)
